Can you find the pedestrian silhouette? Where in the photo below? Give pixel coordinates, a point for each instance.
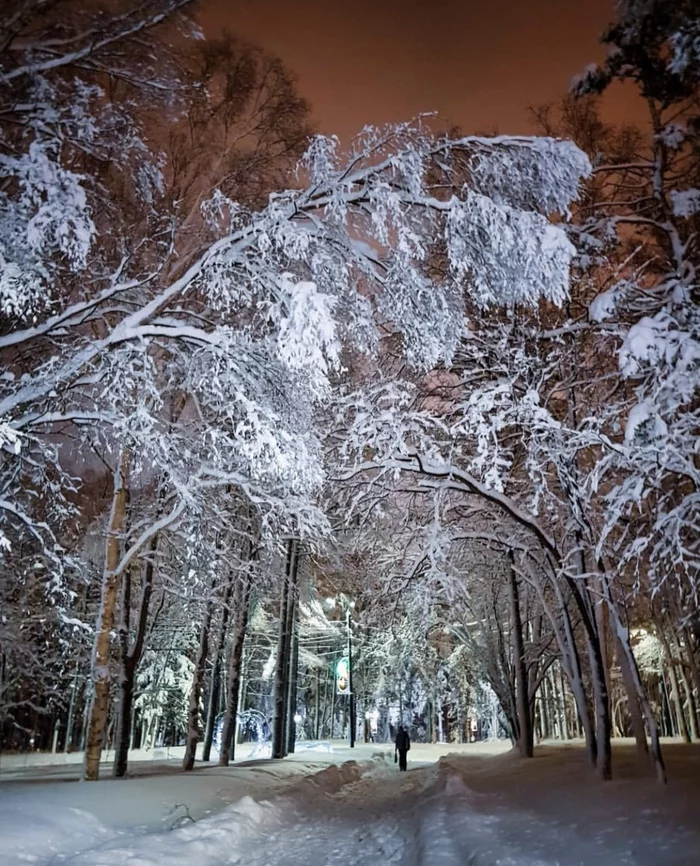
(401, 745)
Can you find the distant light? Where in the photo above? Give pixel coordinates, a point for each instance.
(297, 719)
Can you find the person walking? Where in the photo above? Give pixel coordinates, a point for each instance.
(401, 745)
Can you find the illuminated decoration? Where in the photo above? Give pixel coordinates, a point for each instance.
(342, 677)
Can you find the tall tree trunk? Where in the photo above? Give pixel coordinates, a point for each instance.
(99, 706)
(215, 690)
(585, 600)
(691, 715)
(283, 654)
(124, 716)
(600, 610)
(546, 718)
(571, 665)
(281, 671)
(602, 707)
(200, 667)
(587, 606)
(558, 704)
(525, 727)
(624, 642)
(131, 658)
(293, 672)
(633, 704)
(681, 721)
(70, 723)
(241, 609)
(692, 662)
(564, 707)
(124, 702)
(687, 687)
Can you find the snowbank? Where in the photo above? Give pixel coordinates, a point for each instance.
(165, 820)
(469, 808)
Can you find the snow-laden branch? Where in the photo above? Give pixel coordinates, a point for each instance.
(458, 479)
(96, 39)
(165, 522)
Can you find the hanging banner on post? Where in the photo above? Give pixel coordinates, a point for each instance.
(342, 677)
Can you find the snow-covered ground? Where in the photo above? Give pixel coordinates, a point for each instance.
(468, 808)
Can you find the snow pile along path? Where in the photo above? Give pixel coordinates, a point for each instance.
(462, 811)
(48, 834)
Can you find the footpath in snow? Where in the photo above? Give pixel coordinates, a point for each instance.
(465, 809)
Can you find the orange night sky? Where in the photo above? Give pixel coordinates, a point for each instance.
(478, 64)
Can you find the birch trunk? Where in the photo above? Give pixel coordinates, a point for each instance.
(99, 707)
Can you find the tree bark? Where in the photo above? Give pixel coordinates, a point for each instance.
(293, 671)
(602, 707)
(99, 707)
(200, 666)
(571, 665)
(283, 654)
(525, 726)
(633, 704)
(131, 659)
(546, 714)
(241, 605)
(687, 688)
(692, 662)
(215, 690)
(70, 722)
(623, 636)
(681, 721)
(588, 609)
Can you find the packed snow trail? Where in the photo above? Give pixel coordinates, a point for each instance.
(549, 811)
(366, 815)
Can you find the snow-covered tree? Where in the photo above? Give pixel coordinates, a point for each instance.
(652, 308)
(196, 359)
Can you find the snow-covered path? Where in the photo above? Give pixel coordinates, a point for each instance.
(429, 817)
(474, 810)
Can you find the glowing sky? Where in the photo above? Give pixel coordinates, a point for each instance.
(479, 64)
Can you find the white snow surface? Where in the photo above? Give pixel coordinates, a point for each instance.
(686, 202)
(603, 306)
(466, 809)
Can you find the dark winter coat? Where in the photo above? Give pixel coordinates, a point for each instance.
(403, 742)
